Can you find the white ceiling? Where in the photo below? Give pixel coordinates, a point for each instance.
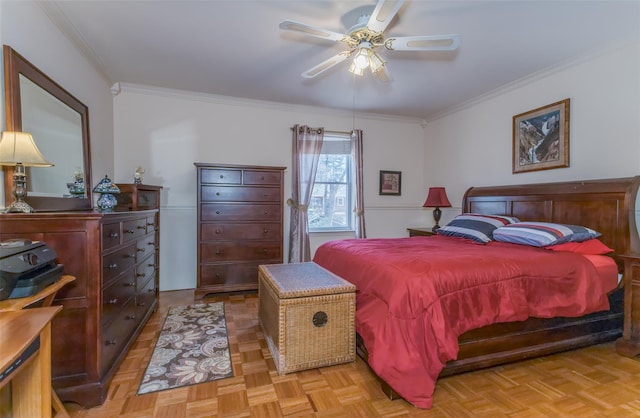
(235, 48)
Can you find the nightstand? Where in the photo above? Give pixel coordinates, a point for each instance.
(629, 344)
(416, 232)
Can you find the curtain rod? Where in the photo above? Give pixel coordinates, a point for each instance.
(333, 132)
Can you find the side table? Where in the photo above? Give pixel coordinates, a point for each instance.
(46, 295)
(25, 360)
(417, 232)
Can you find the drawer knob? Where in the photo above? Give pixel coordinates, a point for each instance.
(261, 177)
(113, 301)
(217, 275)
(140, 275)
(131, 316)
(130, 231)
(140, 250)
(112, 266)
(141, 227)
(150, 224)
(150, 265)
(264, 250)
(217, 212)
(141, 304)
(130, 284)
(218, 252)
(217, 193)
(266, 194)
(151, 290)
(111, 342)
(130, 256)
(266, 212)
(265, 231)
(320, 319)
(151, 243)
(221, 176)
(114, 235)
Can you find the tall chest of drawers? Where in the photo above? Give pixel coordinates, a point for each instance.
(114, 259)
(240, 215)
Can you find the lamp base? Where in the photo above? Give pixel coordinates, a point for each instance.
(436, 217)
(19, 192)
(19, 206)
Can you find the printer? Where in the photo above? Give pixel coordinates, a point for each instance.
(26, 268)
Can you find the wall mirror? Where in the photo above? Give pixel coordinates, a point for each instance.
(59, 124)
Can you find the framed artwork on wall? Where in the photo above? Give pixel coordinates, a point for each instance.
(390, 183)
(541, 138)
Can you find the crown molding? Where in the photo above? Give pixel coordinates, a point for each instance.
(532, 78)
(243, 102)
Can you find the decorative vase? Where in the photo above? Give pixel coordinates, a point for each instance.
(107, 201)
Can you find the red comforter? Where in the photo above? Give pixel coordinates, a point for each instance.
(415, 296)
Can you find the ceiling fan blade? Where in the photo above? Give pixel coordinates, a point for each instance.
(325, 65)
(312, 30)
(383, 14)
(423, 43)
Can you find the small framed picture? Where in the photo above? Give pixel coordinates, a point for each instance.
(390, 183)
(541, 138)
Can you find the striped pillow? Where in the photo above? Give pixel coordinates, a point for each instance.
(475, 226)
(542, 234)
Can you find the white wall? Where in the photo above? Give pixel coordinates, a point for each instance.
(166, 131)
(472, 146)
(26, 28)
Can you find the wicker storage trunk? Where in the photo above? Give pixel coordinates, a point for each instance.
(308, 316)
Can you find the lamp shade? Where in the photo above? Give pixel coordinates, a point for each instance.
(437, 198)
(19, 148)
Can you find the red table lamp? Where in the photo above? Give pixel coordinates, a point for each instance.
(437, 198)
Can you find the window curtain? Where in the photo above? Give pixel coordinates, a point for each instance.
(307, 144)
(356, 153)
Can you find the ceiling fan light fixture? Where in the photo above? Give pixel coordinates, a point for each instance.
(363, 56)
(375, 62)
(355, 70)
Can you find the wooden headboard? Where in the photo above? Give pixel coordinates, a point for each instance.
(608, 206)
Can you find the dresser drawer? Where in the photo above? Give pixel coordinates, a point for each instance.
(231, 273)
(144, 271)
(240, 231)
(239, 194)
(117, 262)
(152, 224)
(117, 295)
(110, 235)
(146, 246)
(221, 176)
(116, 334)
(262, 177)
(238, 212)
(228, 251)
(134, 229)
(144, 298)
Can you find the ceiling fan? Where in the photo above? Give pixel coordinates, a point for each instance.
(366, 36)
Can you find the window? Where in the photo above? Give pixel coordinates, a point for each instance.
(331, 207)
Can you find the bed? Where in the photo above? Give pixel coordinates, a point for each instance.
(512, 334)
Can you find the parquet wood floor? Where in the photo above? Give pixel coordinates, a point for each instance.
(591, 382)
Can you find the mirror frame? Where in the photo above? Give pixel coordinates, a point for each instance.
(14, 65)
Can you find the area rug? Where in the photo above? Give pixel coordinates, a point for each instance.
(193, 347)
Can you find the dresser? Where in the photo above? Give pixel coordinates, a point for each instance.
(240, 215)
(114, 259)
